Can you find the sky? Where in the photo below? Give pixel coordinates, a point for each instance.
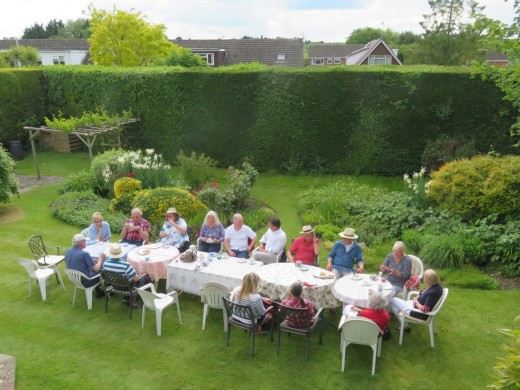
(315, 20)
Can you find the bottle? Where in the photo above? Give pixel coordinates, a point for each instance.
(380, 287)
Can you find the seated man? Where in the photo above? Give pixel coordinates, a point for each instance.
(77, 259)
(305, 248)
(345, 254)
(272, 242)
(236, 238)
(113, 263)
(136, 229)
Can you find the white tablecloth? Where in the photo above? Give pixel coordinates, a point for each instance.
(155, 263)
(276, 280)
(95, 249)
(229, 272)
(355, 292)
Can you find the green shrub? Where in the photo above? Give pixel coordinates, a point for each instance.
(445, 149)
(122, 203)
(8, 181)
(444, 251)
(77, 182)
(76, 209)
(507, 370)
(154, 203)
(241, 182)
(257, 216)
(328, 232)
(467, 277)
(478, 187)
(413, 239)
(218, 200)
(126, 185)
(196, 170)
(102, 167)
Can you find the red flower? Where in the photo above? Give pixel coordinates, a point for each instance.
(130, 174)
(214, 183)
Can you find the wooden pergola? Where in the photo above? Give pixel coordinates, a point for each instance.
(86, 134)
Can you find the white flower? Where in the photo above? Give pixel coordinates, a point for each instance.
(415, 187)
(150, 151)
(406, 176)
(107, 174)
(423, 171)
(415, 175)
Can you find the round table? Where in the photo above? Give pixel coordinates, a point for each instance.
(155, 264)
(276, 280)
(355, 291)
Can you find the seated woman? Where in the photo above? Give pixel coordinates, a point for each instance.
(294, 299)
(375, 311)
(173, 231)
(398, 266)
(424, 302)
(247, 294)
(211, 233)
(99, 230)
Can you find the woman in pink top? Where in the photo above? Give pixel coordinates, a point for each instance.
(295, 299)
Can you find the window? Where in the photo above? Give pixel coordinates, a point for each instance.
(208, 57)
(379, 60)
(337, 61)
(329, 60)
(58, 60)
(280, 57)
(317, 61)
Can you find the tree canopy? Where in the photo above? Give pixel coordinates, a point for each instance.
(56, 29)
(15, 56)
(180, 56)
(122, 38)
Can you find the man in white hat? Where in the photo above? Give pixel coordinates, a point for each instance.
(345, 254)
(305, 248)
(78, 259)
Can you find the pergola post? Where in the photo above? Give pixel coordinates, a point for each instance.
(33, 147)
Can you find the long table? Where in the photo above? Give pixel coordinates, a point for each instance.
(190, 277)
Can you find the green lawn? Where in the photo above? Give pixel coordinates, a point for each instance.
(60, 346)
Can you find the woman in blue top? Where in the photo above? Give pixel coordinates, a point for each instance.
(211, 233)
(99, 230)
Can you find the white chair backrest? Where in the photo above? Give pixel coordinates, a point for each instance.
(30, 266)
(212, 293)
(84, 232)
(417, 266)
(359, 330)
(75, 277)
(440, 302)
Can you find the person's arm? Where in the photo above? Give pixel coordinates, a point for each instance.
(330, 258)
(143, 230)
(263, 242)
(97, 267)
(124, 232)
(316, 243)
(108, 232)
(180, 225)
(252, 245)
(227, 240)
(278, 245)
(360, 262)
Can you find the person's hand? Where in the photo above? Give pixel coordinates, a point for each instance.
(391, 271)
(384, 268)
(232, 254)
(354, 308)
(267, 300)
(329, 266)
(361, 269)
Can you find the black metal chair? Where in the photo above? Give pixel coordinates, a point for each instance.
(119, 284)
(300, 316)
(39, 251)
(245, 311)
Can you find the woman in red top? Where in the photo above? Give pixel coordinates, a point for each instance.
(305, 248)
(376, 309)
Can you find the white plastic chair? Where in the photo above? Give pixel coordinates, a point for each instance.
(41, 275)
(359, 330)
(430, 321)
(84, 232)
(211, 297)
(157, 302)
(75, 277)
(417, 270)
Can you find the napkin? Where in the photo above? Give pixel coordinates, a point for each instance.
(307, 284)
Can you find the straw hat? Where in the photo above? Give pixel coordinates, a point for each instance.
(307, 229)
(172, 210)
(115, 251)
(349, 233)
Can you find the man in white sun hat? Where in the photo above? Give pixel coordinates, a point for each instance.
(345, 254)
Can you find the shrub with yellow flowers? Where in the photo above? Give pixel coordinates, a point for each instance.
(126, 185)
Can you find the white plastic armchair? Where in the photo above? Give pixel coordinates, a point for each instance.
(40, 274)
(430, 321)
(362, 331)
(75, 277)
(157, 302)
(211, 297)
(417, 270)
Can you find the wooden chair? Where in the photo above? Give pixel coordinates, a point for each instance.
(244, 311)
(301, 316)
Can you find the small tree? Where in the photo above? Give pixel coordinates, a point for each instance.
(8, 182)
(15, 56)
(180, 56)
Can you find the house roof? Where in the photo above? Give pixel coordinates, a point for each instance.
(360, 55)
(333, 50)
(493, 55)
(265, 51)
(46, 44)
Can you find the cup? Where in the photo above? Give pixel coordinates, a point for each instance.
(298, 263)
(251, 261)
(130, 225)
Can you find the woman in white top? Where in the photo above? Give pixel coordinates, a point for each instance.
(247, 294)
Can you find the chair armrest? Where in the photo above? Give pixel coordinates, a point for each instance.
(98, 276)
(58, 247)
(408, 311)
(411, 294)
(317, 315)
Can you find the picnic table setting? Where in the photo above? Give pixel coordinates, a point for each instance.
(96, 247)
(353, 289)
(152, 259)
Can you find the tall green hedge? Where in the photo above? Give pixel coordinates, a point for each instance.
(343, 120)
(22, 102)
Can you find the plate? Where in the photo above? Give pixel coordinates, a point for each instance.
(124, 244)
(241, 260)
(142, 252)
(304, 268)
(165, 246)
(366, 283)
(356, 277)
(329, 275)
(154, 246)
(213, 254)
(387, 287)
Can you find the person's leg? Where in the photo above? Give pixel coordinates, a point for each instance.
(398, 290)
(204, 246)
(264, 257)
(184, 246)
(336, 273)
(242, 254)
(214, 248)
(399, 305)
